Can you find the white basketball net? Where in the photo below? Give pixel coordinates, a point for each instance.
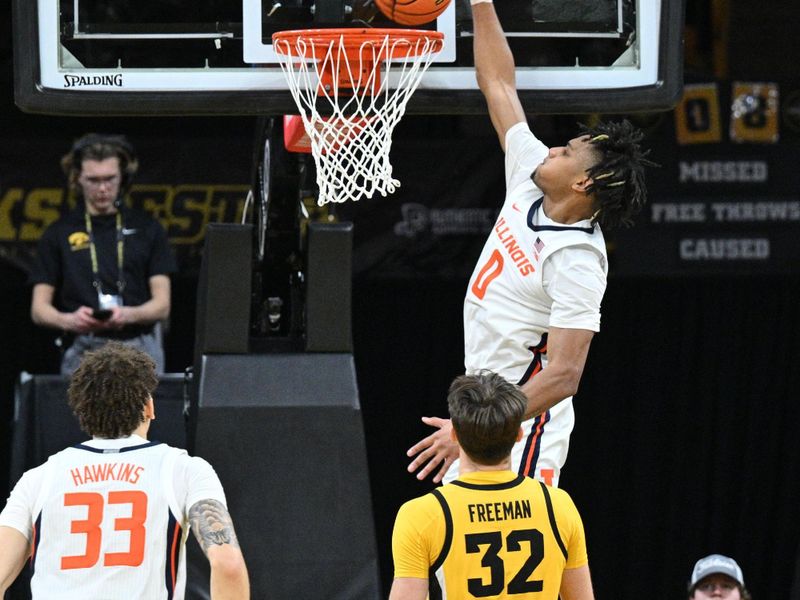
(351, 146)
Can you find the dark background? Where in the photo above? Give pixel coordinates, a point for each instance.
(687, 418)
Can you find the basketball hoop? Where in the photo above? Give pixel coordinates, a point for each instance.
(338, 72)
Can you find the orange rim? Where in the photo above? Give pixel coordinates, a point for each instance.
(308, 43)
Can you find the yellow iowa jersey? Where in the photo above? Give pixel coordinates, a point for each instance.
(490, 534)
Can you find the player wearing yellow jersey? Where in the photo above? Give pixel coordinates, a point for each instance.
(491, 533)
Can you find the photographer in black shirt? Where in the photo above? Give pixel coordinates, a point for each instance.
(102, 271)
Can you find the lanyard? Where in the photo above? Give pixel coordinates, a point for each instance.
(93, 254)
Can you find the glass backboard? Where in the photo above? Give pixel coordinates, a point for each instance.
(125, 57)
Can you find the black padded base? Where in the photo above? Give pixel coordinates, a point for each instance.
(284, 433)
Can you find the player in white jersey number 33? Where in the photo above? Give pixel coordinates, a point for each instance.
(109, 518)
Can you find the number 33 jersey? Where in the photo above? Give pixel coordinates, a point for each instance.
(108, 519)
(490, 535)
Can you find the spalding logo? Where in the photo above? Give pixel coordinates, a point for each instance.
(114, 80)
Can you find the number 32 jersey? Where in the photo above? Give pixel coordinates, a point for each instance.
(109, 518)
(490, 535)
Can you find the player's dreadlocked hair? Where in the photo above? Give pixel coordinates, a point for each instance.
(110, 388)
(618, 177)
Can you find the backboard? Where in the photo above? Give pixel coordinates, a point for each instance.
(181, 57)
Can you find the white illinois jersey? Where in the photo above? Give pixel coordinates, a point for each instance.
(513, 299)
(109, 519)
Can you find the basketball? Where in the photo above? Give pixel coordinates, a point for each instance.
(412, 12)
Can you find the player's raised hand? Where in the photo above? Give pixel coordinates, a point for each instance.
(438, 450)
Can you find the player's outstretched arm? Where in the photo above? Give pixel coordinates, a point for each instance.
(494, 70)
(15, 551)
(576, 584)
(437, 451)
(214, 531)
(566, 356)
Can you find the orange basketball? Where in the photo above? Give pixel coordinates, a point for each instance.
(412, 12)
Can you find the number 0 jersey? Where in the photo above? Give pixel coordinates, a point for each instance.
(108, 519)
(490, 534)
(533, 274)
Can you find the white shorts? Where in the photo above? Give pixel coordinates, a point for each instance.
(542, 451)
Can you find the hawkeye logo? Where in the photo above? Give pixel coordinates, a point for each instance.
(71, 81)
(78, 241)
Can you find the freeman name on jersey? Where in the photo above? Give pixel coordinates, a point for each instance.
(499, 511)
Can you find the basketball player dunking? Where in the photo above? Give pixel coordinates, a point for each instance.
(533, 301)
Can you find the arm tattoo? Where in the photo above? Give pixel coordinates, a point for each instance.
(212, 524)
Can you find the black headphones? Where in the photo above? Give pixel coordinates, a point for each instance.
(124, 150)
(91, 139)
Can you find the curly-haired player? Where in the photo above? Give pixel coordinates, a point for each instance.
(110, 517)
(533, 300)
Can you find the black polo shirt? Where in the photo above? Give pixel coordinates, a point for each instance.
(63, 259)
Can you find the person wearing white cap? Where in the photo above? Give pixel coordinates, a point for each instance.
(717, 576)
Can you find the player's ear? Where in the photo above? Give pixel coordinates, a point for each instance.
(453, 435)
(519, 434)
(150, 409)
(582, 185)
